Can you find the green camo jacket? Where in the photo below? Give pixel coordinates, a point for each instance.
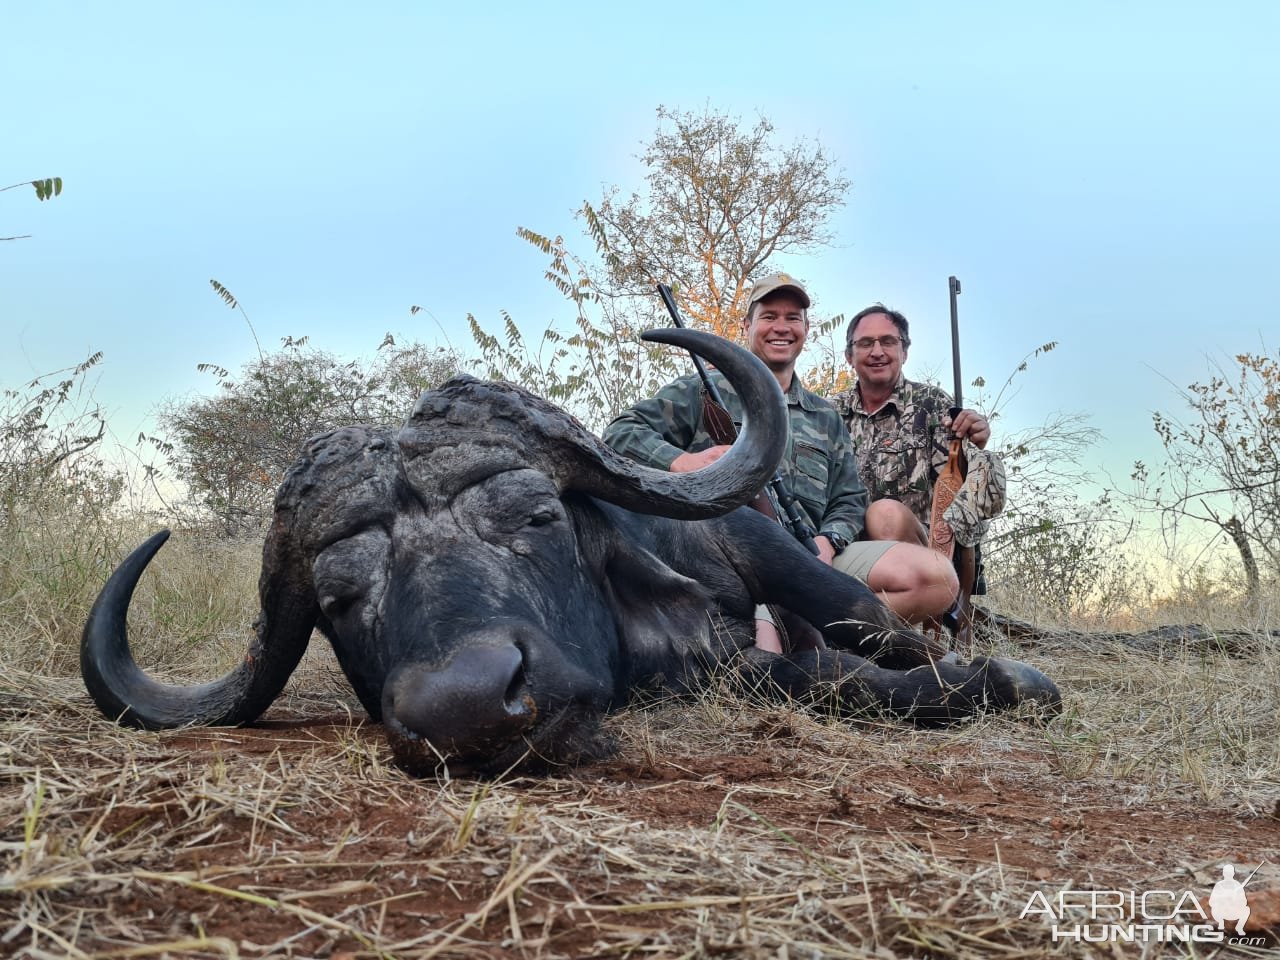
(902, 446)
(818, 464)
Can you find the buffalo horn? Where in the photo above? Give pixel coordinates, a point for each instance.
(716, 489)
(124, 693)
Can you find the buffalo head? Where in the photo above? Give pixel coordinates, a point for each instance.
(468, 575)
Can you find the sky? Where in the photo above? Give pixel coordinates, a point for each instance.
(1100, 174)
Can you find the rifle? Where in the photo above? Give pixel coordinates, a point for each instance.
(953, 288)
(950, 479)
(775, 501)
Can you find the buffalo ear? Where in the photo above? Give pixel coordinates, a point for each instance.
(664, 618)
(665, 630)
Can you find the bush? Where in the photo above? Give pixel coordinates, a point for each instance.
(1065, 562)
(232, 449)
(59, 522)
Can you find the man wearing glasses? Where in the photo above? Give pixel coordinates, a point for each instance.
(898, 427)
(668, 432)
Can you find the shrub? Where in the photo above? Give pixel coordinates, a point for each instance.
(59, 522)
(233, 448)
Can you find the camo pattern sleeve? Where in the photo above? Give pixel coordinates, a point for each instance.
(818, 464)
(824, 470)
(901, 447)
(656, 431)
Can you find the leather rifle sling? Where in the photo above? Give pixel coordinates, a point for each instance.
(950, 480)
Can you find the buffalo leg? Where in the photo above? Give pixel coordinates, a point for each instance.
(930, 695)
(777, 570)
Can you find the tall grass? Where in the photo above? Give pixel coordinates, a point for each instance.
(66, 522)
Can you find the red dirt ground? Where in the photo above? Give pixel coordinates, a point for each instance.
(951, 806)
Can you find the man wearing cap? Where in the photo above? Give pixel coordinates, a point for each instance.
(899, 431)
(668, 432)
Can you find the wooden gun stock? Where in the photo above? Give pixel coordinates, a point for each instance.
(721, 428)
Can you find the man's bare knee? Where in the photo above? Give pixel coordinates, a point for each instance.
(915, 581)
(892, 520)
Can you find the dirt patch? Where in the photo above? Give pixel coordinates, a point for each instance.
(718, 830)
(296, 839)
(1015, 814)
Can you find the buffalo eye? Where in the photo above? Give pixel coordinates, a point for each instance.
(543, 516)
(339, 582)
(336, 598)
(349, 570)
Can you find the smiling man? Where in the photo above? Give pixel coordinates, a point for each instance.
(668, 432)
(898, 427)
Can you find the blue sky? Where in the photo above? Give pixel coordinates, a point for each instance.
(1101, 174)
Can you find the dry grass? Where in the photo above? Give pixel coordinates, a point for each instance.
(194, 607)
(721, 829)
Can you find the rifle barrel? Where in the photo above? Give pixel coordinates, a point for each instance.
(954, 287)
(708, 384)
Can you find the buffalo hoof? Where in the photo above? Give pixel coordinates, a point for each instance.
(1011, 683)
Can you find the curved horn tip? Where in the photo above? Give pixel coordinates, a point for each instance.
(158, 538)
(139, 557)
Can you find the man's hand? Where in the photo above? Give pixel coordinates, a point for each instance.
(972, 426)
(688, 462)
(826, 552)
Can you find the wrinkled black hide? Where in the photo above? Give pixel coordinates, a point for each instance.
(490, 591)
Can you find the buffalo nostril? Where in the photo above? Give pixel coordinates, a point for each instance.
(475, 701)
(514, 695)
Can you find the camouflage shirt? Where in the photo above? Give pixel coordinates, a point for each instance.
(902, 446)
(818, 463)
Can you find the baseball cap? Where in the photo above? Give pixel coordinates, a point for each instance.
(772, 284)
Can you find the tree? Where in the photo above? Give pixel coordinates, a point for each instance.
(1223, 463)
(719, 203)
(46, 189)
(602, 366)
(233, 448)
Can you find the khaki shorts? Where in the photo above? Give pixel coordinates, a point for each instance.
(859, 557)
(856, 560)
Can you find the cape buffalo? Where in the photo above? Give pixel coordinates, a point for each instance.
(493, 579)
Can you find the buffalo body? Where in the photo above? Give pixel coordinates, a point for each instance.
(493, 580)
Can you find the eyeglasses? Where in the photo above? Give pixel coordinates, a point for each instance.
(887, 342)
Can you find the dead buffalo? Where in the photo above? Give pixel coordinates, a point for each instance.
(493, 579)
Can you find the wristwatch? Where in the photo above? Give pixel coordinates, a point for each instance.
(838, 540)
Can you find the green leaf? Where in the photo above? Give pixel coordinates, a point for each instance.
(536, 239)
(224, 293)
